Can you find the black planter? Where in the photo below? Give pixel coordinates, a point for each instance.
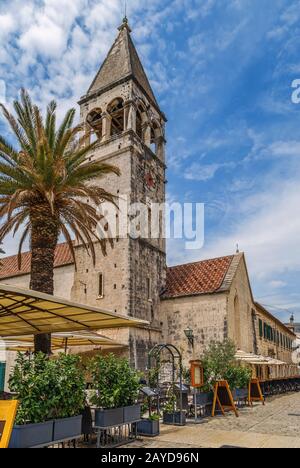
(67, 428)
(174, 418)
(31, 435)
(148, 428)
(109, 417)
(132, 413)
(240, 394)
(204, 399)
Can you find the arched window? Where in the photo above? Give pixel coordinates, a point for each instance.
(139, 124)
(116, 111)
(237, 319)
(155, 134)
(94, 120)
(141, 119)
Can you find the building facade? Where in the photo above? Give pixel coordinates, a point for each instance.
(212, 297)
(295, 328)
(275, 339)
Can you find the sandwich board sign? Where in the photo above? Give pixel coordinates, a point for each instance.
(8, 411)
(197, 374)
(255, 393)
(223, 398)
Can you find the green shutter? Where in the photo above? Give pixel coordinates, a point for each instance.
(260, 328)
(2, 375)
(269, 333)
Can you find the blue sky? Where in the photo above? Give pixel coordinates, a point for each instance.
(222, 71)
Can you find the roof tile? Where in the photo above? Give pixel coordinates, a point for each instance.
(197, 278)
(9, 265)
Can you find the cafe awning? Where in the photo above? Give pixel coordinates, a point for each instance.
(257, 359)
(27, 312)
(62, 341)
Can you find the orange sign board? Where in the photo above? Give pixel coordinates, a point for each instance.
(8, 411)
(223, 397)
(197, 374)
(255, 393)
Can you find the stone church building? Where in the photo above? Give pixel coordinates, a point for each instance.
(212, 297)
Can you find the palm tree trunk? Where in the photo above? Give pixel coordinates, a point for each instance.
(44, 238)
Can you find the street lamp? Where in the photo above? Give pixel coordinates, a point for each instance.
(190, 335)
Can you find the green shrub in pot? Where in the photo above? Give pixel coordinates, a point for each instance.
(51, 393)
(68, 396)
(238, 377)
(116, 387)
(32, 381)
(216, 360)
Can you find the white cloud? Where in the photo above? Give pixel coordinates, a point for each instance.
(201, 172)
(45, 38)
(7, 25)
(205, 172)
(277, 284)
(56, 46)
(285, 148)
(266, 229)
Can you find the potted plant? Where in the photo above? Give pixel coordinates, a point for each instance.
(219, 363)
(238, 378)
(31, 382)
(51, 396)
(149, 426)
(130, 385)
(171, 415)
(116, 387)
(68, 397)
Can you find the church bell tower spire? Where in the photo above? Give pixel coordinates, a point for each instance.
(121, 113)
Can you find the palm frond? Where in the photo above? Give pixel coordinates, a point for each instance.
(49, 173)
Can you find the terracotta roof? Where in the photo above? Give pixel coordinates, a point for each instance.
(9, 265)
(202, 277)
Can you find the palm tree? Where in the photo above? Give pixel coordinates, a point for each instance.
(44, 187)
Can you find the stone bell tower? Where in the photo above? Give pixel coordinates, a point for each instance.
(121, 113)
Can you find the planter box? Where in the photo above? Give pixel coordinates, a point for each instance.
(109, 417)
(204, 399)
(132, 413)
(67, 428)
(148, 428)
(240, 394)
(174, 418)
(31, 435)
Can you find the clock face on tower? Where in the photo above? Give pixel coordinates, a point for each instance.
(150, 181)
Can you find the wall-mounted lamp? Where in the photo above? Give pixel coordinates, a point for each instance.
(84, 285)
(190, 336)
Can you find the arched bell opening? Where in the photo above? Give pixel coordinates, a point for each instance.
(155, 141)
(116, 112)
(141, 120)
(95, 124)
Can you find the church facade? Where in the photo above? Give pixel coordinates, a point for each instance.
(213, 297)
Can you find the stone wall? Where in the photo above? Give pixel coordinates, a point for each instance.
(240, 304)
(141, 341)
(63, 281)
(206, 315)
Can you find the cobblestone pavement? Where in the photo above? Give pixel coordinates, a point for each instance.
(277, 424)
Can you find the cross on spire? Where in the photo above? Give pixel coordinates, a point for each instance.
(125, 25)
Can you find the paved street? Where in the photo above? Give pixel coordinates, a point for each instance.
(275, 425)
